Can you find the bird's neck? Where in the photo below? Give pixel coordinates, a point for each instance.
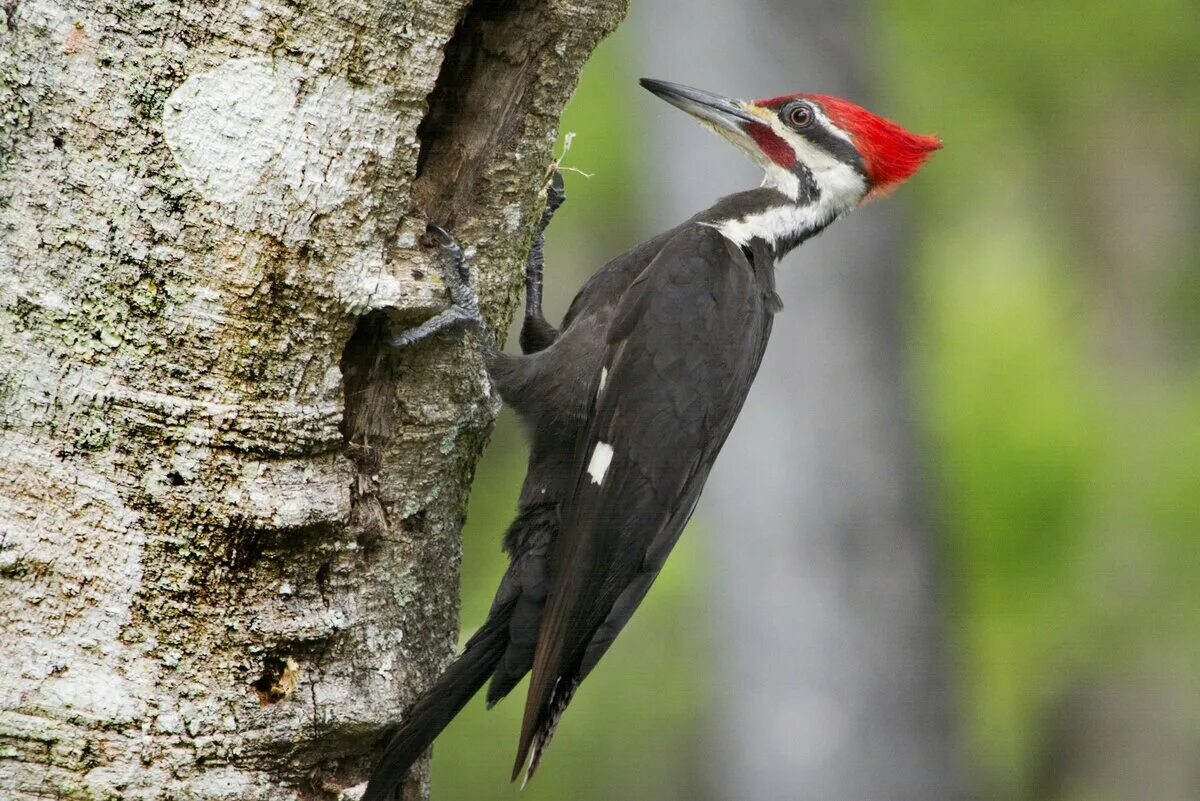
(780, 220)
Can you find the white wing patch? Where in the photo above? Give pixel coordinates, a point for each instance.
(603, 380)
(601, 459)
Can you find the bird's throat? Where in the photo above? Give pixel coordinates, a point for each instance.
(782, 226)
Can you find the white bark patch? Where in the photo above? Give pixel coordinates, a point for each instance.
(366, 282)
(511, 215)
(266, 137)
(90, 692)
(601, 459)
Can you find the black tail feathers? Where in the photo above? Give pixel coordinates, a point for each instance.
(438, 705)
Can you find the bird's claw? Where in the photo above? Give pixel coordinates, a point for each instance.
(556, 193)
(450, 317)
(464, 304)
(451, 252)
(440, 235)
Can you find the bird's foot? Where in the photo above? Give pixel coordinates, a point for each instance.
(464, 304)
(556, 193)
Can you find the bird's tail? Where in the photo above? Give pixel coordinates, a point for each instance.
(438, 705)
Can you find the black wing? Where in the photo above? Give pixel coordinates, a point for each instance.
(682, 351)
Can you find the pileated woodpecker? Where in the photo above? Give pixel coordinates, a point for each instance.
(631, 400)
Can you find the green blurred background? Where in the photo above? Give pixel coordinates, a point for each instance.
(1052, 350)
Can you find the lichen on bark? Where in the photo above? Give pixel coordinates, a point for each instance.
(228, 514)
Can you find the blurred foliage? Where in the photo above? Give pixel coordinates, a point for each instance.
(1056, 307)
(1054, 312)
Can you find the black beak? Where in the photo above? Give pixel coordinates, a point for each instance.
(721, 112)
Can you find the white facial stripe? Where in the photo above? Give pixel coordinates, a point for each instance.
(806, 152)
(828, 123)
(785, 181)
(841, 188)
(601, 459)
(771, 225)
(831, 174)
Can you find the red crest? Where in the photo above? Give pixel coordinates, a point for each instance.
(890, 153)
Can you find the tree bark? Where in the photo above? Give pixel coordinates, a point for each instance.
(833, 682)
(229, 514)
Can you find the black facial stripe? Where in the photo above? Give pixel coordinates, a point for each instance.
(821, 136)
(834, 145)
(809, 190)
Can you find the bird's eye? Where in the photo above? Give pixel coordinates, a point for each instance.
(800, 115)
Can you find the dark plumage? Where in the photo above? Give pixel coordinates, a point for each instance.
(628, 406)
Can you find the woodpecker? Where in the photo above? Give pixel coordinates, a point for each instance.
(629, 402)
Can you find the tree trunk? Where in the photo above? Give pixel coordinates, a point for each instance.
(229, 514)
(833, 682)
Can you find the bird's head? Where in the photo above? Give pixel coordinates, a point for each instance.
(811, 146)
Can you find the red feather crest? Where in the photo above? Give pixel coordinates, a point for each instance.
(890, 153)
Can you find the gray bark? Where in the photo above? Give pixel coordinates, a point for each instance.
(833, 684)
(229, 515)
